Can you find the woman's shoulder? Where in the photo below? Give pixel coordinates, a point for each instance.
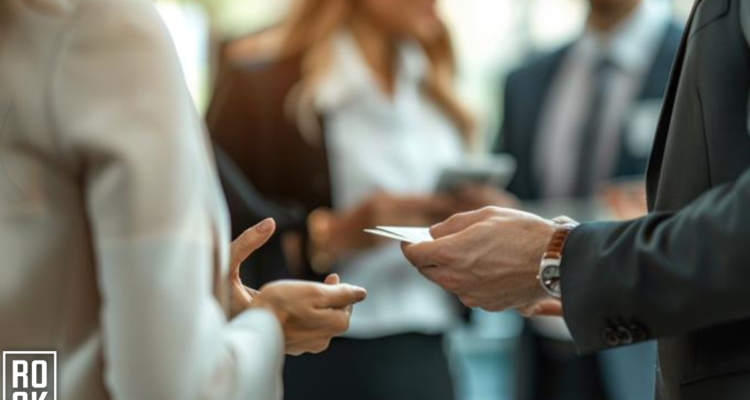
(257, 55)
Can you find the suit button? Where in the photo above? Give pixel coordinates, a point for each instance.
(624, 334)
(639, 332)
(610, 338)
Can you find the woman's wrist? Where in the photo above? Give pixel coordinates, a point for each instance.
(260, 303)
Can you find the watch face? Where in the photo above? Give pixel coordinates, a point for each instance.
(552, 272)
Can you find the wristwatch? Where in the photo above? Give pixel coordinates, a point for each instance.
(549, 268)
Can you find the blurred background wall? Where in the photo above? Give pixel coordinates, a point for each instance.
(491, 37)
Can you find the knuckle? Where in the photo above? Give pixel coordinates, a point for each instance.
(444, 256)
(489, 211)
(451, 283)
(342, 324)
(408, 253)
(316, 291)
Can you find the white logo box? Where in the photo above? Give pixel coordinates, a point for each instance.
(27, 353)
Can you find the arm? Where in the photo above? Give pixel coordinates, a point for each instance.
(125, 119)
(503, 143)
(670, 273)
(661, 270)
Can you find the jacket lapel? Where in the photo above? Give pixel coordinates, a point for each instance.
(660, 140)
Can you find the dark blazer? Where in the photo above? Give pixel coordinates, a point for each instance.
(680, 275)
(248, 207)
(527, 89)
(267, 166)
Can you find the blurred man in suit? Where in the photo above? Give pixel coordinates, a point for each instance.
(576, 118)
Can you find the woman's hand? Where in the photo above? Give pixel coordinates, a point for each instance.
(310, 313)
(245, 245)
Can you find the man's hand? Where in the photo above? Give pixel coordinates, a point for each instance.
(310, 313)
(489, 258)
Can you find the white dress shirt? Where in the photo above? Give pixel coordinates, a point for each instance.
(398, 145)
(631, 49)
(114, 234)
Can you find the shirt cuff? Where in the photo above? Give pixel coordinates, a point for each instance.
(258, 340)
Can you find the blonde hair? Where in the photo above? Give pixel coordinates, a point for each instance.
(308, 31)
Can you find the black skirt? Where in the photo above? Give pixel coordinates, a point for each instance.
(401, 367)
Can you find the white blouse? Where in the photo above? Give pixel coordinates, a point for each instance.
(398, 145)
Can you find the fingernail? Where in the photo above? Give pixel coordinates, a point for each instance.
(360, 294)
(333, 279)
(264, 226)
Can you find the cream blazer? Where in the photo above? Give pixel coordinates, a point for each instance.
(113, 230)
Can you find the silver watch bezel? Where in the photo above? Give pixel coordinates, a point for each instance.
(551, 288)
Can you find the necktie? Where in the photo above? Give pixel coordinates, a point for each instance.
(590, 134)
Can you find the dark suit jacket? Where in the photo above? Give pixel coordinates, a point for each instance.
(267, 166)
(525, 92)
(681, 274)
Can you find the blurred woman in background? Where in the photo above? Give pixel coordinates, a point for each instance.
(346, 111)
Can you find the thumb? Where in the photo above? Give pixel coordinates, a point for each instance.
(332, 279)
(459, 222)
(250, 241)
(342, 295)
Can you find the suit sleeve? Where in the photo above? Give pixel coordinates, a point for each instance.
(662, 275)
(503, 141)
(128, 128)
(508, 138)
(745, 10)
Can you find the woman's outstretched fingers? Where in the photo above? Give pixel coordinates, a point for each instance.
(342, 295)
(250, 241)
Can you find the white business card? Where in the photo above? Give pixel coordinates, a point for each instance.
(402, 233)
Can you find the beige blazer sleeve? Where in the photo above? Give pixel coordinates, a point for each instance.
(122, 115)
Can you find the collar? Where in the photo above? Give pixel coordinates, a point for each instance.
(350, 77)
(632, 45)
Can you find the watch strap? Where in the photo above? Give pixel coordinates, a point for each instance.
(556, 244)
